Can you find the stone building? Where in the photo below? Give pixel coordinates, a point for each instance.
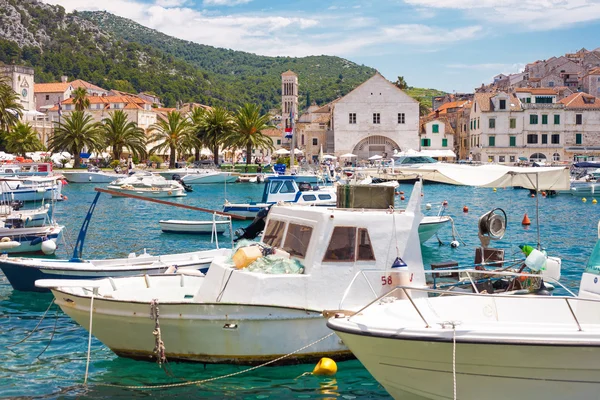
(21, 80)
(436, 133)
(48, 95)
(289, 97)
(376, 118)
(581, 126)
(590, 82)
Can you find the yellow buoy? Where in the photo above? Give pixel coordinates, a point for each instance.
(594, 201)
(325, 366)
(494, 189)
(584, 199)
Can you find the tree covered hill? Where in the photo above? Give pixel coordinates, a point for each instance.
(117, 53)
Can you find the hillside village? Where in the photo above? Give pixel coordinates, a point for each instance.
(547, 113)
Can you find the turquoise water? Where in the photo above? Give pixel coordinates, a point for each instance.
(119, 226)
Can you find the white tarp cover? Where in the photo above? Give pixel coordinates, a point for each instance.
(545, 178)
(438, 153)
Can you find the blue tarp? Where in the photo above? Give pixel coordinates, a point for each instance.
(586, 164)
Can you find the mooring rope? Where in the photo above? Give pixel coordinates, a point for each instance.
(34, 329)
(159, 345)
(202, 381)
(51, 336)
(454, 358)
(87, 363)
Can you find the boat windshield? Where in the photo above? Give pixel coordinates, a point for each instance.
(408, 160)
(297, 239)
(593, 265)
(274, 233)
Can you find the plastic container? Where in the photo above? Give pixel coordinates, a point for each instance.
(280, 253)
(536, 260)
(245, 256)
(553, 266)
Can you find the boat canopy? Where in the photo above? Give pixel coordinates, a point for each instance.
(586, 164)
(540, 178)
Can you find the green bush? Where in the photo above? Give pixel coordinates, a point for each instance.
(115, 163)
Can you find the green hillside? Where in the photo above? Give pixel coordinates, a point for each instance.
(117, 53)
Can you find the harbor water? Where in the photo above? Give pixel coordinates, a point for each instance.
(51, 362)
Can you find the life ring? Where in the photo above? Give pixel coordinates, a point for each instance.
(169, 193)
(62, 196)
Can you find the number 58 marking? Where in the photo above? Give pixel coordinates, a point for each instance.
(386, 280)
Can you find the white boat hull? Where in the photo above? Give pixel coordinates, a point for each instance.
(415, 369)
(430, 225)
(200, 227)
(206, 178)
(207, 333)
(150, 192)
(90, 177)
(29, 238)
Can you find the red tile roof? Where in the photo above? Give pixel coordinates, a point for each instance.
(539, 91)
(54, 87)
(81, 83)
(581, 100)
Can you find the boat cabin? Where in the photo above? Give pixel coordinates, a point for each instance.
(25, 169)
(287, 189)
(406, 161)
(330, 246)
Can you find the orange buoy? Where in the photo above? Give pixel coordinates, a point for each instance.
(532, 195)
(401, 192)
(543, 194)
(526, 220)
(465, 209)
(445, 203)
(396, 193)
(401, 197)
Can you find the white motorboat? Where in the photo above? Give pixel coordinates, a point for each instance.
(23, 272)
(42, 239)
(203, 176)
(92, 175)
(27, 218)
(272, 307)
(195, 227)
(287, 189)
(459, 345)
(147, 185)
(34, 188)
(25, 169)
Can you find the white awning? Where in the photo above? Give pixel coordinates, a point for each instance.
(543, 178)
(438, 153)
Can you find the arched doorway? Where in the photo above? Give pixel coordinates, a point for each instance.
(375, 145)
(537, 157)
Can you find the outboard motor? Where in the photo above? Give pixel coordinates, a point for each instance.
(255, 228)
(186, 187)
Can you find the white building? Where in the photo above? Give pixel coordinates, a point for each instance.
(375, 118)
(437, 134)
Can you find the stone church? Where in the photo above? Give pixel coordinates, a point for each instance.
(376, 118)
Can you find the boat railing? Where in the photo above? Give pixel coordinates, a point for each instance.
(471, 276)
(407, 292)
(214, 234)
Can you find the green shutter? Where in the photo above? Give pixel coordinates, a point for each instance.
(544, 119)
(435, 128)
(477, 123)
(556, 119)
(492, 123)
(578, 138)
(513, 123)
(492, 141)
(444, 142)
(513, 141)
(533, 119)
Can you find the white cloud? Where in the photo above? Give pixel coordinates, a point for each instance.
(276, 35)
(534, 15)
(170, 3)
(225, 2)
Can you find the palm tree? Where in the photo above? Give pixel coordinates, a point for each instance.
(173, 132)
(197, 117)
(119, 132)
(401, 83)
(80, 99)
(423, 107)
(10, 107)
(76, 132)
(218, 124)
(22, 138)
(249, 124)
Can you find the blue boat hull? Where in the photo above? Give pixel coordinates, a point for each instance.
(23, 277)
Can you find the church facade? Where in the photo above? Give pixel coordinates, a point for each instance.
(376, 118)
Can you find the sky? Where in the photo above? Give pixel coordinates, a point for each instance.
(451, 45)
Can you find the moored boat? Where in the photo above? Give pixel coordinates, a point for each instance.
(148, 185)
(194, 227)
(272, 307)
(23, 272)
